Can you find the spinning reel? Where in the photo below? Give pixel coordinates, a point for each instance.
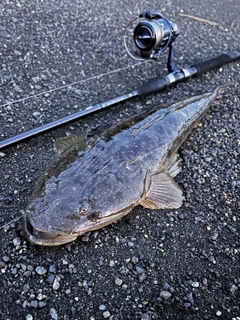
(150, 37)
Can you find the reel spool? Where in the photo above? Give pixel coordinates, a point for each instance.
(150, 37)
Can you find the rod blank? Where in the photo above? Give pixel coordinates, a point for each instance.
(152, 86)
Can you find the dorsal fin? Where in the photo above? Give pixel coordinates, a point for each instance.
(78, 141)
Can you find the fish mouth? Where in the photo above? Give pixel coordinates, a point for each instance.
(44, 238)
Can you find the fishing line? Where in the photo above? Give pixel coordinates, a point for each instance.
(151, 37)
(5, 225)
(63, 87)
(152, 86)
(73, 84)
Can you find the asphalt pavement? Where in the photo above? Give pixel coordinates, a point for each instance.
(59, 57)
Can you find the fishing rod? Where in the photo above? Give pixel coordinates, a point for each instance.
(153, 35)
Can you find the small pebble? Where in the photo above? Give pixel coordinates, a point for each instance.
(181, 216)
(51, 278)
(29, 317)
(24, 267)
(52, 269)
(27, 273)
(36, 114)
(53, 313)
(134, 260)
(112, 263)
(85, 237)
(68, 291)
(30, 268)
(140, 270)
(26, 288)
(42, 304)
(190, 297)
(56, 284)
(118, 282)
(142, 277)
(41, 270)
(218, 313)
(211, 259)
(101, 261)
(130, 244)
(102, 307)
(165, 295)
(195, 284)
(17, 53)
(106, 314)
(41, 296)
(166, 286)
(187, 304)
(95, 234)
(214, 236)
(5, 258)
(233, 288)
(34, 304)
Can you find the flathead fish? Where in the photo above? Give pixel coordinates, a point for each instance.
(94, 183)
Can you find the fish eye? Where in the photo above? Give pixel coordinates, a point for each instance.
(81, 209)
(84, 208)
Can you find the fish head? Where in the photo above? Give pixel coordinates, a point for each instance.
(58, 214)
(50, 219)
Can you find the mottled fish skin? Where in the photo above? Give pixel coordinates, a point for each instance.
(94, 183)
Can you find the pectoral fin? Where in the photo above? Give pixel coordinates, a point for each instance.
(164, 193)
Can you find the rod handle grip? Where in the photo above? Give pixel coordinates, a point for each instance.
(217, 62)
(151, 86)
